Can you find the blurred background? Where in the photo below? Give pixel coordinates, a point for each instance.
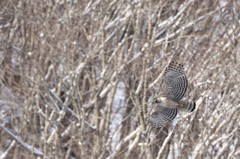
(77, 76)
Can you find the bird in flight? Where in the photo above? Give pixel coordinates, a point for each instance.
(174, 88)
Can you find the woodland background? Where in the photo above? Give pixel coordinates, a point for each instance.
(77, 78)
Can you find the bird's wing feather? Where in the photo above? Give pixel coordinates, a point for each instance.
(175, 81)
(160, 117)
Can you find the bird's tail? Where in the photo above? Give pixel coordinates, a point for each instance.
(191, 106)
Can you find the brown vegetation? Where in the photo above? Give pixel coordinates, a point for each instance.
(77, 76)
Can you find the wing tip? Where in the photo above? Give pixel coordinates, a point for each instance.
(176, 64)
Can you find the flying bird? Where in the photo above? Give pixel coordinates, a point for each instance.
(167, 105)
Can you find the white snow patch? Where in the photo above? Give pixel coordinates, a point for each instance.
(116, 117)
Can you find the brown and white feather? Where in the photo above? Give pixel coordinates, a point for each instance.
(174, 88)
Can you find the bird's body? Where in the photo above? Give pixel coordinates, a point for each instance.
(164, 102)
(167, 105)
(181, 105)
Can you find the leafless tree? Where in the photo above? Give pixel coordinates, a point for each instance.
(77, 78)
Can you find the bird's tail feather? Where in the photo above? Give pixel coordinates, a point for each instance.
(191, 106)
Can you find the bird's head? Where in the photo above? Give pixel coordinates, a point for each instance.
(160, 100)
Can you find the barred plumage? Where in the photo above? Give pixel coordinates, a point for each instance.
(158, 118)
(175, 81)
(191, 106)
(175, 86)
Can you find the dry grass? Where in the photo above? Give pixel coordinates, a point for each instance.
(76, 77)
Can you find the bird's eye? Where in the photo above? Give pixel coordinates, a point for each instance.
(157, 101)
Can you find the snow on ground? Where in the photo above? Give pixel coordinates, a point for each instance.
(116, 117)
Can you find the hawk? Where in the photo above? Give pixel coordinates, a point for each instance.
(174, 88)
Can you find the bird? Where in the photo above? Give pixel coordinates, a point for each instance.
(175, 85)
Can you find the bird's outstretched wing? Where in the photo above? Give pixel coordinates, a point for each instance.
(175, 81)
(160, 117)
